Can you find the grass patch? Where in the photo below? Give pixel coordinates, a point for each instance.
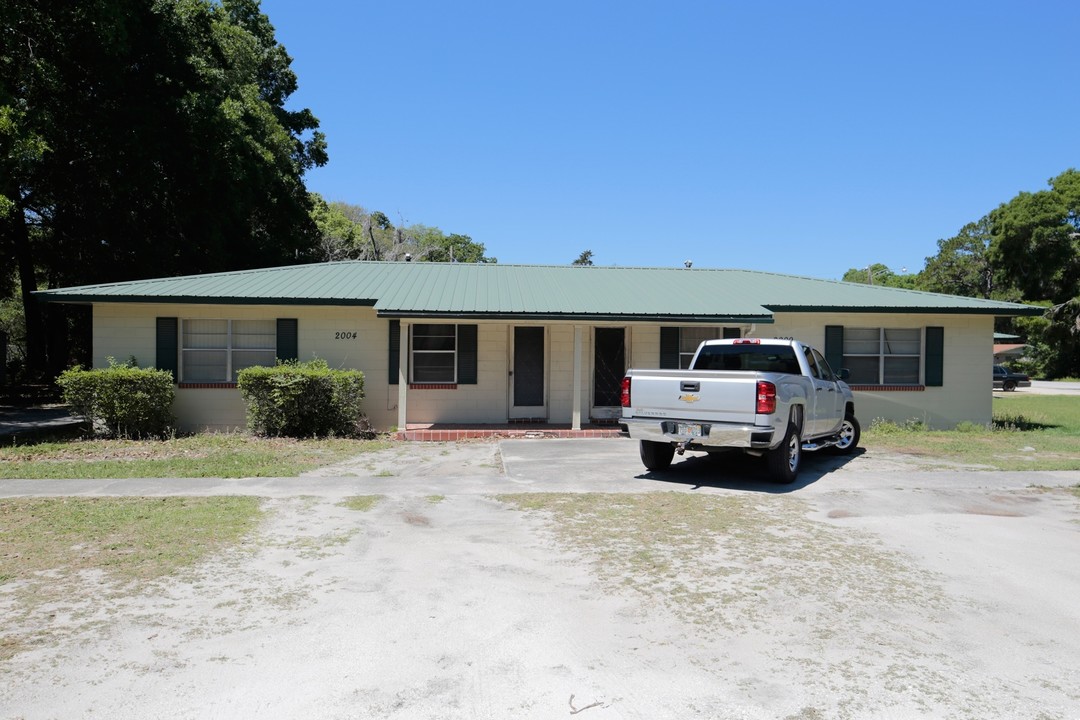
(726, 560)
(435, 499)
(360, 503)
(1028, 432)
(51, 548)
(128, 538)
(203, 455)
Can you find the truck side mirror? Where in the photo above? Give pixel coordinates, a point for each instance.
(843, 373)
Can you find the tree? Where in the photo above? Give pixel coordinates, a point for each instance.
(1036, 243)
(339, 236)
(141, 139)
(1037, 239)
(585, 258)
(349, 232)
(963, 264)
(879, 274)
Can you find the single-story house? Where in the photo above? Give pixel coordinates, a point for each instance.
(491, 343)
(1006, 349)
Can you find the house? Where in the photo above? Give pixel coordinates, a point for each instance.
(1005, 351)
(489, 343)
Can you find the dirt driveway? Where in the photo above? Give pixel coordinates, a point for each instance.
(545, 579)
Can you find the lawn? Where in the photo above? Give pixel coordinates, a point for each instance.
(1029, 432)
(205, 455)
(52, 548)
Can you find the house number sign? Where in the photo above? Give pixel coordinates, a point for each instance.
(345, 335)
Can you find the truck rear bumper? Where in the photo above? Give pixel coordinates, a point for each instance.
(713, 435)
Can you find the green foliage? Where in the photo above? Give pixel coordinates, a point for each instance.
(304, 400)
(1036, 243)
(1037, 239)
(963, 264)
(884, 427)
(349, 232)
(585, 258)
(879, 274)
(121, 400)
(141, 139)
(433, 245)
(340, 237)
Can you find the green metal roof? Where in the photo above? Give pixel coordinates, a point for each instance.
(408, 289)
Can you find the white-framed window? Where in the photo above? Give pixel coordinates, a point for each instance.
(434, 354)
(217, 350)
(883, 356)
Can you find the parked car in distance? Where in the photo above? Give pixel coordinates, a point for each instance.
(1007, 380)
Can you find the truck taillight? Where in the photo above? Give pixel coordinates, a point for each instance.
(624, 397)
(766, 398)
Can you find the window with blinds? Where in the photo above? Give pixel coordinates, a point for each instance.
(217, 350)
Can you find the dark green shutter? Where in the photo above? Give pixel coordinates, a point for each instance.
(288, 342)
(466, 370)
(669, 348)
(731, 333)
(934, 372)
(168, 346)
(834, 346)
(395, 351)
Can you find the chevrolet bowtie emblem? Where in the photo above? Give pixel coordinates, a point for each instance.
(689, 398)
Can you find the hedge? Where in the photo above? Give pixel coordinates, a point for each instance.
(309, 399)
(121, 400)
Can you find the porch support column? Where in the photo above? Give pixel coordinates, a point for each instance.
(576, 418)
(403, 375)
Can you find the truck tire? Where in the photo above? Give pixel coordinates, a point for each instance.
(848, 437)
(656, 455)
(783, 461)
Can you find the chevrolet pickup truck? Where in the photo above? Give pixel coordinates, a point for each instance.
(771, 398)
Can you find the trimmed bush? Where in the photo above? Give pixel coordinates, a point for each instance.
(121, 400)
(303, 400)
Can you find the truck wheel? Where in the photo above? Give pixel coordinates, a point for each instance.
(783, 460)
(656, 455)
(1009, 385)
(848, 437)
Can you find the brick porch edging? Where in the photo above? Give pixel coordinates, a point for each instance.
(465, 433)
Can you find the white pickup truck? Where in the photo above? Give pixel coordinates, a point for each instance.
(775, 398)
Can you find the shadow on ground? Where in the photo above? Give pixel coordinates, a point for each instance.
(739, 471)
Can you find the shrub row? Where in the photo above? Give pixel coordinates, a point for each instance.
(304, 400)
(121, 400)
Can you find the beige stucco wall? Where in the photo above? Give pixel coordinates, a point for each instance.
(968, 359)
(125, 329)
(128, 329)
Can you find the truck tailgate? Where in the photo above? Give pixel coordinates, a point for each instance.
(704, 395)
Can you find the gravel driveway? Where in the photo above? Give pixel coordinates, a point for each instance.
(868, 590)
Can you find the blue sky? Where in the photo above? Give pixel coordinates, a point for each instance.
(794, 137)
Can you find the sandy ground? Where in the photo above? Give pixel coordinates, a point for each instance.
(870, 589)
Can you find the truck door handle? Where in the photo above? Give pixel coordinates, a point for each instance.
(687, 386)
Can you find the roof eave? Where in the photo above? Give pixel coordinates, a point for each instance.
(80, 299)
(574, 317)
(878, 309)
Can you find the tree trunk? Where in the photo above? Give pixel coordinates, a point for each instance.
(35, 325)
